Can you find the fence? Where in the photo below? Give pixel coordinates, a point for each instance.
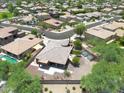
(60, 81)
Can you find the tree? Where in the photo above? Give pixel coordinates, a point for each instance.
(10, 7)
(105, 78)
(34, 87)
(34, 32)
(111, 55)
(16, 12)
(5, 68)
(18, 2)
(116, 2)
(80, 28)
(21, 82)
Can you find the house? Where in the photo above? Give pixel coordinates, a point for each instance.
(43, 16)
(67, 17)
(24, 12)
(88, 16)
(117, 12)
(7, 34)
(54, 23)
(19, 8)
(28, 20)
(54, 54)
(107, 10)
(21, 46)
(36, 9)
(113, 25)
(119, 32)
(121, 6)
(100, 33)
(27, 6)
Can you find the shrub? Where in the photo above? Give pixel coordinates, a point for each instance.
(73, 88)
(76, 52)
(4, 15)
(122, 41)
(78, 44)
(50, 91)
(34, 32)
(16, 12)
(76, 60)
(46, 89)
(67, 73)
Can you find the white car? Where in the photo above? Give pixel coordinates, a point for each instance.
(2, 83)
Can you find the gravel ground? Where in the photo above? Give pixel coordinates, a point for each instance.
(62, 88)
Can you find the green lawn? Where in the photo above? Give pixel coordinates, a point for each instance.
(5, 15)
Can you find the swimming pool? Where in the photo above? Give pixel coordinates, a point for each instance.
(87, 55)
(8, 58)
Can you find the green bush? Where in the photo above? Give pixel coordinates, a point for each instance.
(34, 32)
(46, 89)
(76, 60)
(76, 52)
(121, 41)
(50, 92)
(74, 88)
(5, 15)
(67, 73)
(78, 44)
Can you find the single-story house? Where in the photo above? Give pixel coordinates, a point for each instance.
(107, 10)
(54, 23)
(98, 32)
(28, 20)
(54, 54)
(67, 17)
(119, 32)
(113, 25)
(27, 6)
(19, 8)
(36, 8)
(43, 16)
(24, 12)
(121, 6)
(20, 46)
(117, 12)
(90, 15)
